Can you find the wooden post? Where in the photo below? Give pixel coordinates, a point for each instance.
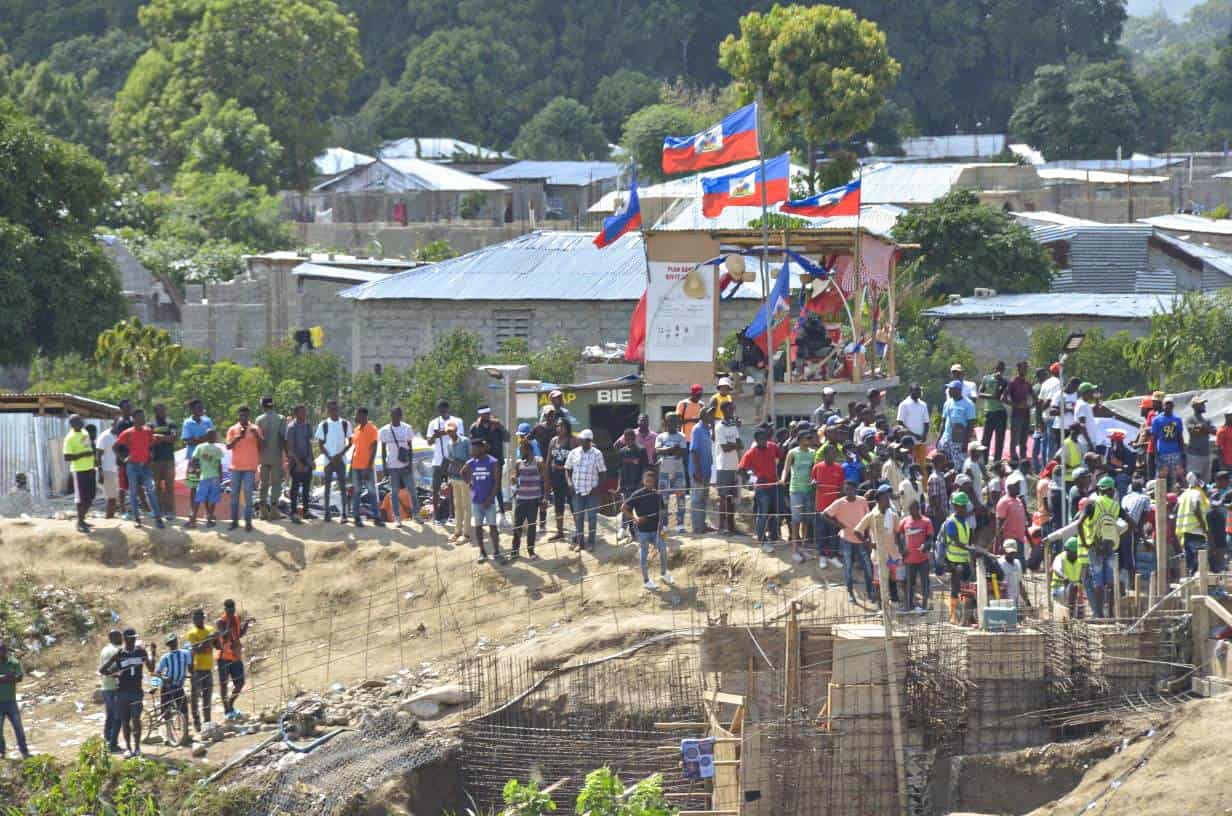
(892, 679)
(1204, 571)
(791, 661)
(367, 636)
(329, 644)
(891, 365)
(981, 587)
(1161, 537)
(282, 677)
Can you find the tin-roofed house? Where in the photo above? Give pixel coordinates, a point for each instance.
(536, 287)
(554, 190)
(32, 429)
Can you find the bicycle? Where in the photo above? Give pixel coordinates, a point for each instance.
(171, 716)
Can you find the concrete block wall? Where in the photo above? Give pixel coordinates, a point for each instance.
(1009, 339)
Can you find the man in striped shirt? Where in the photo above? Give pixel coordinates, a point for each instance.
(173, 668)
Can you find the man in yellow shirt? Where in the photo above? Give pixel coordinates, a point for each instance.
(202, 639)
(1191, 526)
(79, 453)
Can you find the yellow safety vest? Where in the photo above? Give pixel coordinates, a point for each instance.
(1107, 511)
(954, 553)
(1073, 458)
(1072, 570)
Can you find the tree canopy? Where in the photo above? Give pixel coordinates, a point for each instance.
(57, 288)
(289, 60)
(823, 71)
(644, 132)
(1087, 112)
(964, 245)
(563, 130)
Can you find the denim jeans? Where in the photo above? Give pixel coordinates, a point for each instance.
(111, 721)
(644, 541)
(763, 508)
(359, 478)
(585, 509)
(9, 711)
(850, 553)
(698, 498)
(1037, 452)
(140, 476)
(825, 536)
(668, 483)
(242, 480)
(398, 479)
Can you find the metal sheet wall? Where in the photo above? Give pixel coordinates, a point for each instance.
(32, 445)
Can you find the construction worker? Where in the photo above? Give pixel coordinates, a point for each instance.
(956, 533)
(1099, 538)
(1067, 577)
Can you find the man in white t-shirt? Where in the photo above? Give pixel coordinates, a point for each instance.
(437, 435)
(334, 438)
(727, 450)
(108, 470)
(1084, 415)
(396, 446)
(968, 387)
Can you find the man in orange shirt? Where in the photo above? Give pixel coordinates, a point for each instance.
(1223, 440)
(230, 656)
(690, 410)
(363, 458)
(244, 442)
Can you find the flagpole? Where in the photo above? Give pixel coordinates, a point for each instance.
(857, 369)
(765, 271)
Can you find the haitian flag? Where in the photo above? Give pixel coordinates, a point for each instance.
(843, 200)
(732, 140)
(625, 219)
(744, 189)
(777, 316)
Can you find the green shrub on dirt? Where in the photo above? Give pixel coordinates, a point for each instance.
(100, 784)
(35, 616)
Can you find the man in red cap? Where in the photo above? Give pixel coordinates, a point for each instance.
(690, 410)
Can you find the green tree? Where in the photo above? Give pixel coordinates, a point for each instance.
(1084, 113)
(223, 206)
(563, 130)
(224, 386)
(1102, 359)
(66, 104)
(556, 363)
(434, 251)
(823, 71)
(644, 132)
(964, 245)
(1188, 340)
(225, 136)
(618, 95)
(108, 57)
(469, 78)
(267, 55)
(57, 288)
(139, 353)
(526, 800)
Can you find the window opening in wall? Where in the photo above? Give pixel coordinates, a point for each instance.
(511, 323)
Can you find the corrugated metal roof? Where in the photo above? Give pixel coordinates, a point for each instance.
(1096, 176)
(400, 175)
(908, 183)
(686, 216)
(1040, 218)
(1137, 162)
(542, 265)
(337, 273)
(1102, 257)
(1055, 304)
(557, 173)
(954, 146)
(1181, 222)
(437, 149)
(1214, 259)
(337, 160)
(1155, 282)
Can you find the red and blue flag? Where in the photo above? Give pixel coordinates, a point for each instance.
(625, 219)
(731, 140)
(843, 200)
(744, 189)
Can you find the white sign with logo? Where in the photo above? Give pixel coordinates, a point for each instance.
(680, 313)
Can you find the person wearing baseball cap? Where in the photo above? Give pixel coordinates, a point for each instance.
(584, 470)
(956, 535)
(1066, 574)
(1099, 538)
(958, 416)
(1011, 566)
(690, 410)
(723, 397)
(556, 401)
(823, 412)
(1198, 431)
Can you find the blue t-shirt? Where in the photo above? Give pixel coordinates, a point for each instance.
(193, 428)
(853, 470)
(1167, 430)
(701, 448)
(957, 412)
(483, 478)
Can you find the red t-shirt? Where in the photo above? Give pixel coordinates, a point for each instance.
(829, 479)
(1150, 437)
(916, 532)
(764, 462)
(1223, 438)
(138, 440)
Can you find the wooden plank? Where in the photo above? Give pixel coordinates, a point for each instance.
(673, 726)
(728, 699)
